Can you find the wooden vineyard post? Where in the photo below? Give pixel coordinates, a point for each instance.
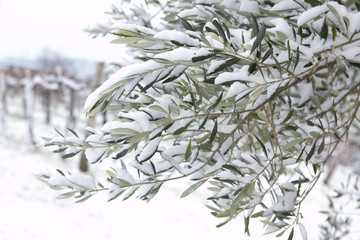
(2, 104)
(91, 121)
(28, 96)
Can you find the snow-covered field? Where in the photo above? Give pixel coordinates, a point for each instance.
(29, 209)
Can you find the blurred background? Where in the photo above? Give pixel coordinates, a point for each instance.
(27, 28)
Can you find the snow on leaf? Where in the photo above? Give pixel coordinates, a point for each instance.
(180, 37)
(203, 54)
(93, 155)
(306, 91)
(283, 27)
(285, 6)
(235, 89)
(132, 28)
(270, 90)
(71, 152)
(311, 14)
(250, 7)
(177, 55)
(121, 78)
(241, 75)
(286, 203)
(245, 192)
(87, 182)
(149, 150)
(125, 175)
(259, 38)
(114, 193)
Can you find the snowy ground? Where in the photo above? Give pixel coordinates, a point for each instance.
(30, 210)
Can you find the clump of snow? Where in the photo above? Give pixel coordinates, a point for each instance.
(305, 91)
(133, 28)
(285, 6)
(241, 75)
(250, 7)
(83, 180)
(311, 14)
(149, 149)
(180, 37)
(282, 26)
(178, 54)
(93, 154)
(192, 12)
(125, 175)
(286, 202)
(235, 89)
(271, 89)
(74, 140)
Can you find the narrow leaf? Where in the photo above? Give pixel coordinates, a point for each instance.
(297, 57)
(69, 155)
(58, 132)
(311, 153)
(84, 199)
(267, 54)
(226, 64)
(125, 40)
(186, 24)
(138, 137)
(288, 116)
(321, 147)
(73, 132)
(59, 150)
(153, 168)
(346, 21)
(258, 214)
(220, 30)
(298, 159)
(203, 138)
(213, 132)
(255, 25)
(313, 3)
(247, 222)
(117, 194)
(291, 235)
(182, 129)
(324, 30)
(303, 231)
(65, 195)
(293, 143)
(188, 152)
(203, 57)
(270, 223)
(192, 188)
(262, 145)
(246, 191)
(218, 100)
(203, 123)
(334, 11)
(59, 171)
(259, 38)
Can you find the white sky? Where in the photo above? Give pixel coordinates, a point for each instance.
(28, 26)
